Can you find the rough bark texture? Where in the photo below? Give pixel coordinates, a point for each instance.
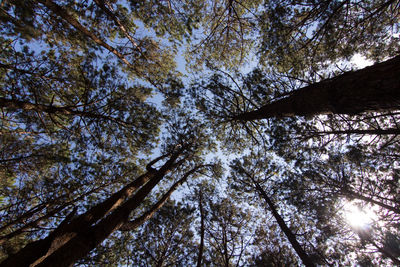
(37, 251)
(375, 88)
(88, 238)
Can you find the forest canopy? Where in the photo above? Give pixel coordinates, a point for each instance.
(199, 133)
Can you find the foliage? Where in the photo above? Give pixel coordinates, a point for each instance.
(122, 133)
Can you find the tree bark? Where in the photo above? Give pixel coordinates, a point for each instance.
(375, 88)
(36, 251)
(89, 237)
(282, 224)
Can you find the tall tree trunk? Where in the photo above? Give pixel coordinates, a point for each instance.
(63, 13)
(389, 131)
(38, 250)
(132, 225)
(350, 193)
(202, 230)
(89, 237)
(375, 88)
(13, 104)
(225, 246)
(291, 237)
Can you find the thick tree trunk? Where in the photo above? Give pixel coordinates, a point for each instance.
(89, 237)
(291, 237)
(375, 88)
(36, 251)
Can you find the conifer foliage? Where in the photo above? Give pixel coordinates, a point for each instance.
(199, 133)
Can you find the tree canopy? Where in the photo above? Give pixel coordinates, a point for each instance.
(199, 133)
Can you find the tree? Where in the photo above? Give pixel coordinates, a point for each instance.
(311, 35)
(305, 258)
(227, 235)
(75, 237)
(100, 130)
(167, 238)
(374, 88)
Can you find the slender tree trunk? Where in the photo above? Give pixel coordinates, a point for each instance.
(202, 230)
(390, 131)
(103, 6)
(291, 237)
(225, 245)
(89, 237)
(351, 193)
(38, 250)
(375, 88)
(63, 13)
(50, 109)
(132, 225)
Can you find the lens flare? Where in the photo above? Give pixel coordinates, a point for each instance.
(356, 217)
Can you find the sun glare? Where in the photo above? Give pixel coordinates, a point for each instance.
(356, 217)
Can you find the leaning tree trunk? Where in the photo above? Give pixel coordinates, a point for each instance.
(354, 194)
(289, 234)
(37, 251)
(375, 88)
(88, 238)
(202, 230)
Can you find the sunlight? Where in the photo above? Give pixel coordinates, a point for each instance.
(356, 217)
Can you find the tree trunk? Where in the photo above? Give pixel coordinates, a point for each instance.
(375, 88)
(202, 230)
(132, 225)
(38, 250)
(89, 237)
(350, 193)
(13, 104)
(291, 237)
(60, 11)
